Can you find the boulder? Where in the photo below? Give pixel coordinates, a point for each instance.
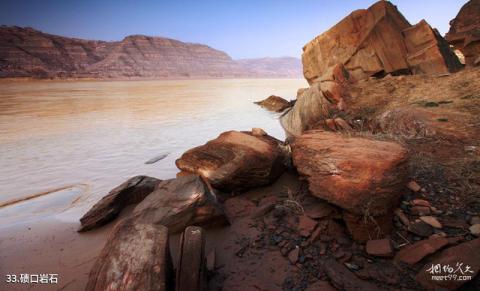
(311, 107)
(360, 175)
(464, 32)
(192, 269)
(375, 42)
(464, 259)
(132, 191)
(236, 161)
(413, 254)
(135, 257)
(274, 103)
(180, 202)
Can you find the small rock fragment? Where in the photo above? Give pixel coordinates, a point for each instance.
(475, 229)
(420, 228)
(431, 221)
(412, 254)
(421, 202)
(403, 218)
(412, 185)
(379, 248)
(294, 254)
(420, 210)
(306, 225)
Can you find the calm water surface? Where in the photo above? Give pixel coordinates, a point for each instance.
(79, 139)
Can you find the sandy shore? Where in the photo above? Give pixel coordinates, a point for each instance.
(51, 245)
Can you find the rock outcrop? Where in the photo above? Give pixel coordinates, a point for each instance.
(274, 103)
(132, 191)
(375, 42)
(464, 32)
(181, 202)
(236, 161)
(26, 52)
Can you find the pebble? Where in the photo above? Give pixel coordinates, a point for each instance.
(420, 210)
(412, 185)
(475, 229)
(421, 202)
(294, 254)
(475, 220)
(431, 221)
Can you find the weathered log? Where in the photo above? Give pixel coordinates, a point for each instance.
(132, 191)
(135, 257)
(191, 268)
(180, 202)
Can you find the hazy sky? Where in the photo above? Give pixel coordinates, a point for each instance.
(243, 29)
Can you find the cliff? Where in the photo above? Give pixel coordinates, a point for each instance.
(26, 52)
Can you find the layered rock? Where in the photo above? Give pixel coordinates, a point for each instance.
(364, 177)
(135, 257)
(25, 52)
(132, 191)
(375, 42)
(274, 103)
(236, 161)
(464, 33)
(357, 174)
(181, 202)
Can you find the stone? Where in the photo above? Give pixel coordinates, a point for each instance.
(191, 273)
(379, 248)
(464, 33)
(306, 225)
(402, 217)
(475, 229)
(343, 279)
(135, 257)
(432, 221)
(475, 220)
(414, 253)
(311, 108)
(132, 191)
(211, 260)
(420, 202)
(467, 253)
(236, 161)
(420, 228)
(181, 202)
(156, 159)
(412, 185)
(360, 175)
(258, 132)
(420, 210)
(363, 228)
(274, 103)
(294, 254)
(317, 210)
(375, 42)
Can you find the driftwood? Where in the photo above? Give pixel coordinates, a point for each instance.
(135, 257)
(191, 269)
(132, 191)
(180, 202)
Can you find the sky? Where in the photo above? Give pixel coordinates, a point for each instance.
(243, 29)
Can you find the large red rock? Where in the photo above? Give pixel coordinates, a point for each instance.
(377, 41)
(360, 175)
(364, 227)
(464, 32)
(467, 254)
(412, 254)
(236, 161)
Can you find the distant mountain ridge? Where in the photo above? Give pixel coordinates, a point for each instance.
(26, 52)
